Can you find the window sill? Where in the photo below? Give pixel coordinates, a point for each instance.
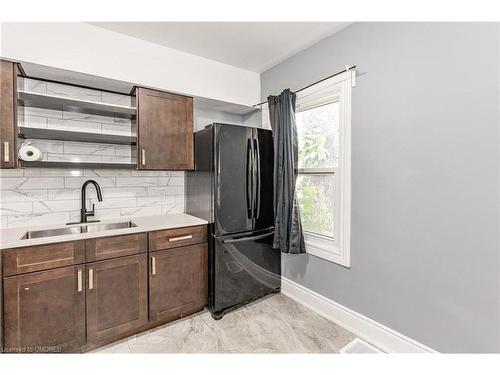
(326, 249)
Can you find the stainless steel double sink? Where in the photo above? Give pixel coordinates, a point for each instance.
(89, 228)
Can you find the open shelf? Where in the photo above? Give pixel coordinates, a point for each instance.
(40, 100)
(63, 135)
(58, 164)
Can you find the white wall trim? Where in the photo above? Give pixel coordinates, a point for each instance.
(367, 329)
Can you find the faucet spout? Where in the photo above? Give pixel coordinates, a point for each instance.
(84, 213)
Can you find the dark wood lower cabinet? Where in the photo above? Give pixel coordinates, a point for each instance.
(45, 311)
(58, 298)
(117, 298)
(177, 285)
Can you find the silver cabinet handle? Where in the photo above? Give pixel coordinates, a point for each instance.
(80, 286)
(6, 152)
(91, 279)
(153, 266)
(143, 156)
(173, 239)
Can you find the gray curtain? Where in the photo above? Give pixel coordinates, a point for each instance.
(288, 236)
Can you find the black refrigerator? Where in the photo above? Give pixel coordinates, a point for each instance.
(232, 188)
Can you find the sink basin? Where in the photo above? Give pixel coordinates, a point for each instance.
(75, 230)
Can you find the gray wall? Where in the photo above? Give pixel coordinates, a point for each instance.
(425, 179)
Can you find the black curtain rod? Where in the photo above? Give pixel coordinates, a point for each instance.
(347, 69)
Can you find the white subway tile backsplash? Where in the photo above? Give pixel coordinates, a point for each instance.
(32, 85)
(52, 196)
(61, 194)
(89, 148)
(156, 173)
(73, 92)
(17, 208)
(119, 159)
(48, 146)
(85, 117)
(72, 183)
(34, 121)
(124, 122)
(37, 219)
(74, 158)
(117, 129)
(56, 206)
(155, 201)
(42, 112)
(141, 211)
(124, 150)
(130, 192)
(112, 98)
(172, 209)
(51, 172)
(72, 125)
(11, 173)
(171, 181)
(136, 181)
(23, 195)
(106, 172)
(28, 183)
(114, 203)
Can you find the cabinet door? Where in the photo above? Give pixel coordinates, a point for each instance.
(116, 298)
(8, 112)
(165, 130)
(177, 282)
(45, 311)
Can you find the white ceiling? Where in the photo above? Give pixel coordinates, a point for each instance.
(254, 46)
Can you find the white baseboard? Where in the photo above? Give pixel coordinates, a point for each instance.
(367, 329)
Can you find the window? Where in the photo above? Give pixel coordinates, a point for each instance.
(323, 186)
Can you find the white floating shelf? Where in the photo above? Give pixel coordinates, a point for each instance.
(40, 100)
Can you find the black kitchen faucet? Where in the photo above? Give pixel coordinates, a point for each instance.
(84, 213)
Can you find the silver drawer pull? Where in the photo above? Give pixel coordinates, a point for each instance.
(80, 286)
(153, 266)
(6, 152)
(173, 239)
(143, 157)
(91, 279)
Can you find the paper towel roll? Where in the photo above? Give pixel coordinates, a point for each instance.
(29, 153)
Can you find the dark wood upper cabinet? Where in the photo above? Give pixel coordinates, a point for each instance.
(117, 298)
(45, 311)
(164, 130)
(177, 282)
(8, 114)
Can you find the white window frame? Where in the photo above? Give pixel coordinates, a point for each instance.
(338, 88)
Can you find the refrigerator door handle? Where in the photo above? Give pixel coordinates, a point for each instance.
(249, 182)
(242, 239)
(258, 172)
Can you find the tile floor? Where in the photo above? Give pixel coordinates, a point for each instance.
(275, 324)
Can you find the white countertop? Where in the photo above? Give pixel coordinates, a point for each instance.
(11, 237)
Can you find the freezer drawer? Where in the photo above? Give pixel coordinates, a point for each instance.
(244, 268)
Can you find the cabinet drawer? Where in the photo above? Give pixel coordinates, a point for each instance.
(42, 257)
(166, 239)
(116, 246)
